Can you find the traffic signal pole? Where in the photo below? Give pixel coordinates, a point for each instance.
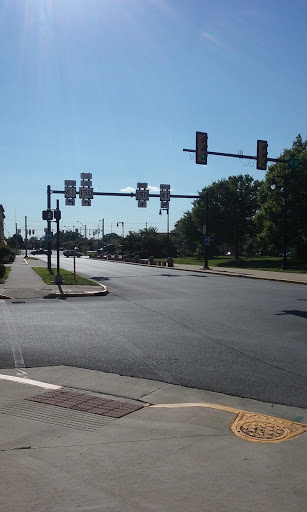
(49, 228)
(206, 248)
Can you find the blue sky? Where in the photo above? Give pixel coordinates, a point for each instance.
(119, 87)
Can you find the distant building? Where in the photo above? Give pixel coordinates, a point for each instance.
(2, 217)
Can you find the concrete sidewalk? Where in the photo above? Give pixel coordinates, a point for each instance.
(286, 277)
(176, 453)
(23, 282)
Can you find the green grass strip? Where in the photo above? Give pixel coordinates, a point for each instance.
(67, 276)
(6, 274)
(272, 263)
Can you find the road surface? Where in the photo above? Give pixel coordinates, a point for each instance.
(231, 335)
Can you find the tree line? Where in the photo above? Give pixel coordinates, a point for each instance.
(247, 215)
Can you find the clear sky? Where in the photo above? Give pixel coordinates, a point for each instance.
(119, 87)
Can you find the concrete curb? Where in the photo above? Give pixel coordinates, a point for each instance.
(5, 297)
(228, 274)
(55, 295)
(214, 272)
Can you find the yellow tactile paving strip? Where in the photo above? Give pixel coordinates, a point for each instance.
(251, 426)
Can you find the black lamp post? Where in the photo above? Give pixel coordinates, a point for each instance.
(284, 265)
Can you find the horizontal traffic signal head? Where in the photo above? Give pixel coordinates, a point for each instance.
(262, 154)
(201, 148)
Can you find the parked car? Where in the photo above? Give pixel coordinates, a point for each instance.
(72, 252)
(40, 251)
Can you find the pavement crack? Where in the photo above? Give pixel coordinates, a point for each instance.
(107, 443)
(18, 448)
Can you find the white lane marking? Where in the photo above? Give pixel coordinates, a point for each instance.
(23, 380)
(16, 349)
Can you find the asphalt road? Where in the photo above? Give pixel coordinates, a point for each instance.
(236, 336)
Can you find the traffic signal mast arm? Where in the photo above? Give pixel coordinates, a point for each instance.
(131, 194)
(234, 155)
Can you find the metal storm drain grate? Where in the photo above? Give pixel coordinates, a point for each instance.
(86, 403)
(265, 429)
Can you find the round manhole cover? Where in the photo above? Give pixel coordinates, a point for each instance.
(265, 429)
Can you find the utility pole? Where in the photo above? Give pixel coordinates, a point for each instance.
(102, 235)
(16, 234)
(26, 236)
(205, 230)
(85, 252)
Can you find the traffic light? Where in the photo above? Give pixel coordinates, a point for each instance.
(47, 214)
(201, 148)
(57, 214)
(262, 154)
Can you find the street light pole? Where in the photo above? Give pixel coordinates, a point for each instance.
(284, 265)
(84, 225)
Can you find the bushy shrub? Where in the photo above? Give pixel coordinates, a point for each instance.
(6, 254)
(2, 270)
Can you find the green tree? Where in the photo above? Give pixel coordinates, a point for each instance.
(11, 242)
(148, 242)
(232, 204)
(189, 233)
(270, 217)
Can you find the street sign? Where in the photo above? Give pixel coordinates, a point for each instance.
(70, 192)
(49, 236)
(207, 240)
(293, 163)
(86, 183)
(165, 195)
(142, 195)
(86, 193)
(164, 205)
(142, 203)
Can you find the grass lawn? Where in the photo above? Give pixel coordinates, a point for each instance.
(6, 274)
(30, 258)
(68, 277)
(272, 263)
